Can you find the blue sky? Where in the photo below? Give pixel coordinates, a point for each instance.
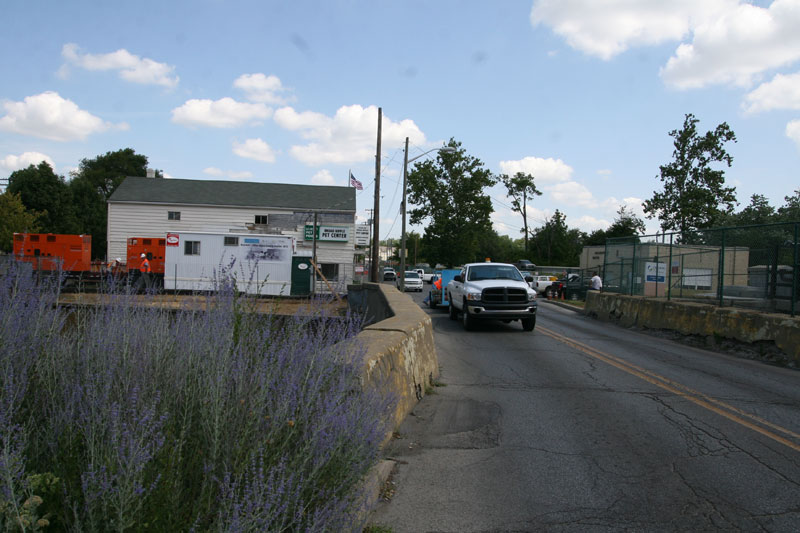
(580, 93)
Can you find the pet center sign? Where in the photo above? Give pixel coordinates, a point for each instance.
(327, 233)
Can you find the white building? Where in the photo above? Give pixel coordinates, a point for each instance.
(155, 207)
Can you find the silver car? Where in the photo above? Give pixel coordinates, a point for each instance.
(413, 281)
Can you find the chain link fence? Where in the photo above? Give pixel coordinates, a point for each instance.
(749, 266)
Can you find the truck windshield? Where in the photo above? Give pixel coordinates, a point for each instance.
(481, 272)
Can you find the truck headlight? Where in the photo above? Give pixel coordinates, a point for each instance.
(473, 296)
(531, 296)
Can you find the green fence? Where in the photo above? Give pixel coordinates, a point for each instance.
(747, 266)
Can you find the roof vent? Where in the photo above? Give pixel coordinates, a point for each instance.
(151, 173)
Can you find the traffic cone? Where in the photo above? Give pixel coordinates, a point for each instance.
(562, 294)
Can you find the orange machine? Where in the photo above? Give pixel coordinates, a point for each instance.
(52, 252)
(153, 247)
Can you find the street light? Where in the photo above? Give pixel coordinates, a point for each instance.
(406, 161)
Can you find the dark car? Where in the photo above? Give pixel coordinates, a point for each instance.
(389, 274)
(572, 287)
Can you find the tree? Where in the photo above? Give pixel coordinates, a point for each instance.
(93, 183)
(694, 194)
(521, 188)
(790, 212)
(15, 218)
(41, 190)
(759, 211)
(557, 244)
(627, 224)
(449, 193)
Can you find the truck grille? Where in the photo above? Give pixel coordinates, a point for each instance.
(504, 295)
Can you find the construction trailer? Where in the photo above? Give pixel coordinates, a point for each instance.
(52, 252)
(259, 264)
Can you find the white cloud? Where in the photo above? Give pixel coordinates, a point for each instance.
(232, 174)
(737, 46)
(783, 92)
(609, 27)
(347, 137)
(49, 116)
(572, 193)
(323, 177)
(131, 67)
(589, 223)
(223, 113)
(793, 131)
(543, 170)
(254, 149)
(261, 88)
(604, 172)
(10, 163)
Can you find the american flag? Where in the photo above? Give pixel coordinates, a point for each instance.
(355, 183)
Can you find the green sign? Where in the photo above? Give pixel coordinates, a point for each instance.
(327, 233)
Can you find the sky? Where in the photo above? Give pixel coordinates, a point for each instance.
(582, 94)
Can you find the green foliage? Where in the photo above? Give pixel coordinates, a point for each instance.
(41, 190)
(521, 188)
(790, 212)
(694, 194)
(627, 224)
(93, 183)
(14, 218)
(449, 194)
(557, 244)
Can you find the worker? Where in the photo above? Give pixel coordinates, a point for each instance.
(144, 271)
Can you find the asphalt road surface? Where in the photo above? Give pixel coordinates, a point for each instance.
(585, 426)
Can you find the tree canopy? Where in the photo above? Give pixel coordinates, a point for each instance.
(14, 218)
(449, 193)
(521, 188)
(694, 194)
(41, 190)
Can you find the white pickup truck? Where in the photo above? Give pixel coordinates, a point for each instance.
(492, 291)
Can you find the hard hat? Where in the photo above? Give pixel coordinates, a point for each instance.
(143, 256)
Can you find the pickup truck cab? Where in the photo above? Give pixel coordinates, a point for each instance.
(492, 291)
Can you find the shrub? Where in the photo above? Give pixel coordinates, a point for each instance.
(123, 417)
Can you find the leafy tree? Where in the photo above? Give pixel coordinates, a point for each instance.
(93, 183)
(500, 248)
(694, 194)
(40, 189)
(627, 224)
(15, 218)
(521, 188)
(759, 211)
(557, 244)
(790, 212)
(449, 193)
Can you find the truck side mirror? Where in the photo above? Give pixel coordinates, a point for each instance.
(529, 279)
(458, 278)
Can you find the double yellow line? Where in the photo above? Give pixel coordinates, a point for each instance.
(748, 420)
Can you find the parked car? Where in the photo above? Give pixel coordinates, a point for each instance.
(541, 283)
(425, 274)
(573, 287)
(413, 282)
(523, 265)
(389, 274)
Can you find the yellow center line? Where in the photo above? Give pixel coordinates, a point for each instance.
(730, 412)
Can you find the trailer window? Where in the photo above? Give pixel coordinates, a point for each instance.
(231, 241)
(173, 215)
(191, 248)
(330, 271)
(261, 219)
(51, 238)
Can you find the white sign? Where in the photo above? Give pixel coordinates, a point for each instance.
(655, 272)
(362, 235)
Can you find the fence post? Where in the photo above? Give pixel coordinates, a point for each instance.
(795, 273)
(669, 272)
(633, 268)
(721, 280)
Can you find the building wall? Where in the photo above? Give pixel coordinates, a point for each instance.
(147, 220)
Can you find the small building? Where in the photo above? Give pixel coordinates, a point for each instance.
(155, 207)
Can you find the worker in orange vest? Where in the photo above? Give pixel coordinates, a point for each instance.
(144, 271)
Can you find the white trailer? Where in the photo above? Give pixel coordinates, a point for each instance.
(260, 264)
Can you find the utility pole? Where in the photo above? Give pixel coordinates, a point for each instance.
(377, 208)
(402, 272)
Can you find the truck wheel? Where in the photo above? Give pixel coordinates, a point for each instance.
(452, 309)
(467, 319)
(431, 303)
(529, 323)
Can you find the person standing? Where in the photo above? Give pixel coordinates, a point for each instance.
(144, 271)
(597, 283)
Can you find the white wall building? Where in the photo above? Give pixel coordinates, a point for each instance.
(154, 207)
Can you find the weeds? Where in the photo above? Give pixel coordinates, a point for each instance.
(128, 418)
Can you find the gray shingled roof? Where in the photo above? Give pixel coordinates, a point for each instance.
(234, 193)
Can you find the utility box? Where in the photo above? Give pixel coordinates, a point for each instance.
(259, 264)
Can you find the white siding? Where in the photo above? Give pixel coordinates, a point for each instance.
(147, 220)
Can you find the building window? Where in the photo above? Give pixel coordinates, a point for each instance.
(330, 271)
(231, 241)
(173, 215)
(262, 219)
(191, 248)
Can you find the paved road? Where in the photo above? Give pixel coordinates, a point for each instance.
(583, 426)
